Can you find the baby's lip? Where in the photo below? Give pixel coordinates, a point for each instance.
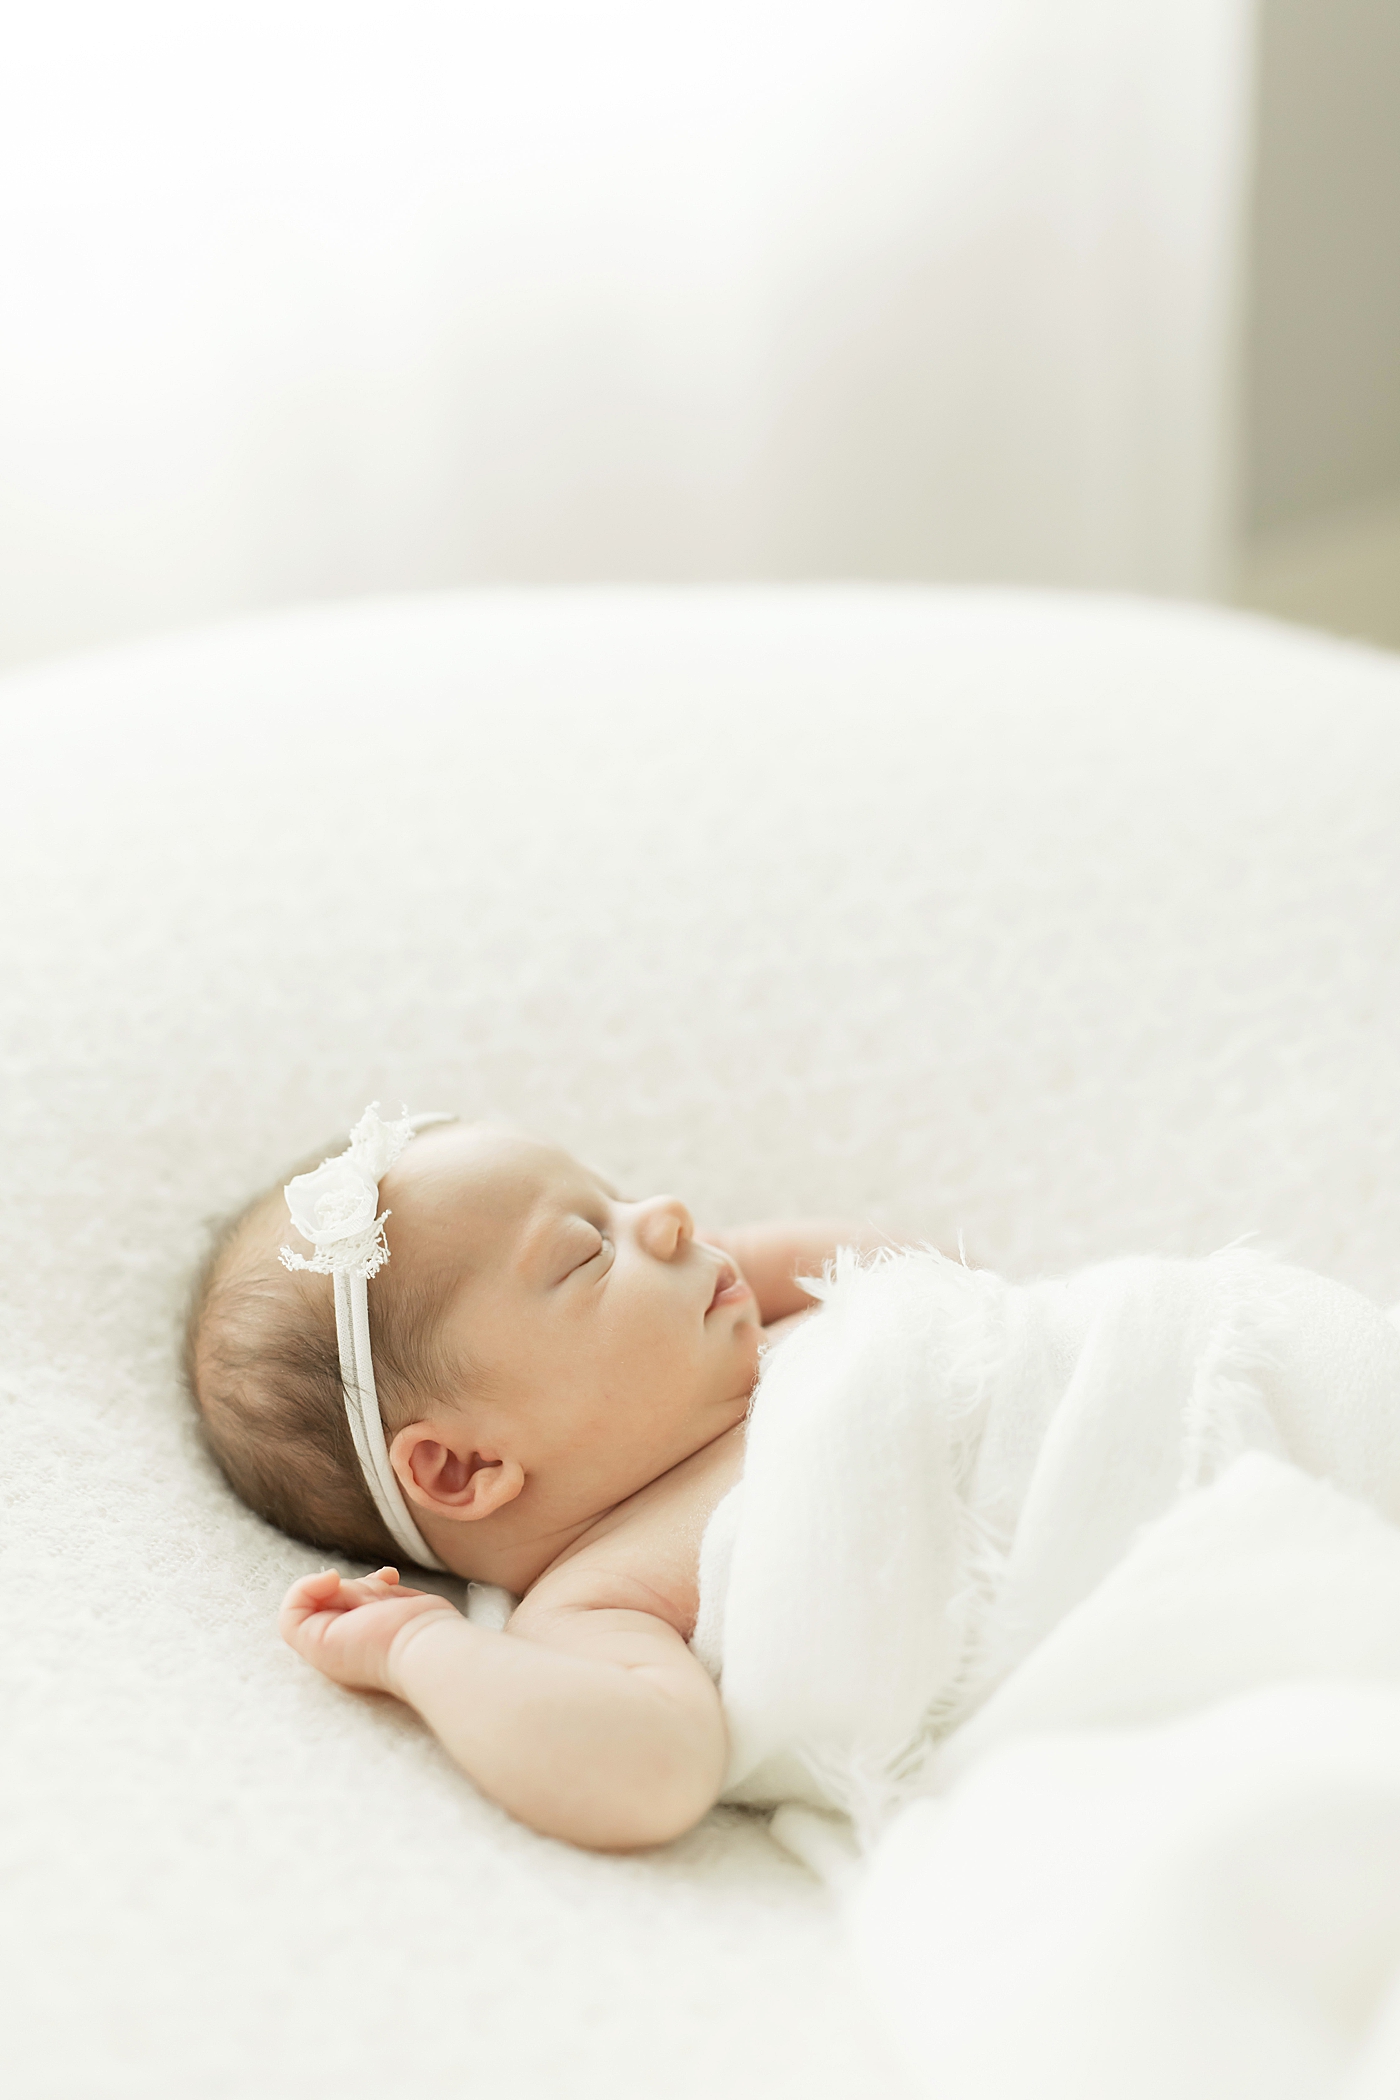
(725, 1280)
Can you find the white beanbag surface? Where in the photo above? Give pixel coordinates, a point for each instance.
(1071, 925)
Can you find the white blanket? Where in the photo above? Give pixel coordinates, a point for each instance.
(1072, 923)
(1051, 1555)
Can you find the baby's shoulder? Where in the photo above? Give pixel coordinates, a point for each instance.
(645, 1555)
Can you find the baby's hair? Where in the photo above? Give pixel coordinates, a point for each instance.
(263, 1367)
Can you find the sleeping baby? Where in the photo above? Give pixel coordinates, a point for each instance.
(948, 1510)
(555, 1403)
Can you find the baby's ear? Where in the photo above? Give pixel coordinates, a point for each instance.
(452, 1480)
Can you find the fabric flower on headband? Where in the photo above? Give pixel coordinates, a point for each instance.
(336, 1206)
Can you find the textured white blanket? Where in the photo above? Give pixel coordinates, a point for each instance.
(1072, 923)
(985, 1530)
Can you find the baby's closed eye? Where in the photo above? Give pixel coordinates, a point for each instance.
(587, 1245)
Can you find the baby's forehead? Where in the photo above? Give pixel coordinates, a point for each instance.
(485, 1160)
(480, 1189)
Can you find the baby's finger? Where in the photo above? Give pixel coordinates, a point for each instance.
(376, 1588)
(304, 1599)
(399, 1588)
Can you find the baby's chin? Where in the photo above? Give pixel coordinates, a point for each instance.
(742, 1399)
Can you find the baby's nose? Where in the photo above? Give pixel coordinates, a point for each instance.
(667, 1226)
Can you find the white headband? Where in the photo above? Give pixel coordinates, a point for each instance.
(337, 1209)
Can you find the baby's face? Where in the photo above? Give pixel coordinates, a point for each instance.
(613, 1343)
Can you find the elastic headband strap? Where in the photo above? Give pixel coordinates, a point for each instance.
(366, 1422)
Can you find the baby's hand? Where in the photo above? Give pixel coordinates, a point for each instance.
(347, 1629)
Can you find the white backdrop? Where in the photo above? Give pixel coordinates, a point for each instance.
(303, 298)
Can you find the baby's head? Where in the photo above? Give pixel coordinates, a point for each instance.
(542, 1348)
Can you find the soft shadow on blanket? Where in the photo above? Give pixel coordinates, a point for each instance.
(1081, 1601)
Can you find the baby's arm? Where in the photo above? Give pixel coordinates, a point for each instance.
(600, 1727)
(773, 1255)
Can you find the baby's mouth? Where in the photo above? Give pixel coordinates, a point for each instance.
(728, 1276)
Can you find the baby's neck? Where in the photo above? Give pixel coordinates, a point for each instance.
(515, 1556)
(516, 1563)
